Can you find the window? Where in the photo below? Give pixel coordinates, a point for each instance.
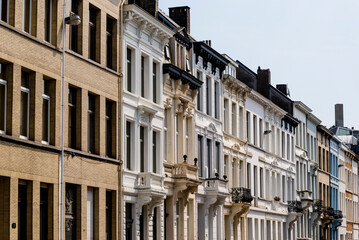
(129, 70)
(248, 175)
(208, 95)
(90, 213)
(216, 100)
(240, 121)
(110, 127)
(91, 123)
(75, 40)
(72, 121)
(177, 139)
(4, 10)
(111, 42)
(3, 96)
(209, 158)
(128, 144)
(46, 208)
(234, 121)
(248, 115)
(187, 135)
(165, 131)
(225, 166)
(142, 76)
(129, 221)
(255, 131)
(225, 112)
(200, 156)
(142, 149)
(94, 33)
(154, 82)
(24, 204)
(48, 20)
(154, 152)
(261, 133)
(46, 112)
(142, 224)
(155, 223)
(25, 104)
(110, 214)
(261, 183)
(283, 145)
(71, 211)
(199, 95)
(27, 15)
(218, 157)
(167, 52)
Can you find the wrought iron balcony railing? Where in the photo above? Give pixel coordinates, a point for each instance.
(338, 214)
(295, 206)
(241, 194)
(329, 211)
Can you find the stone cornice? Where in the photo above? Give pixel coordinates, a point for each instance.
(302, 107)
(146, 22)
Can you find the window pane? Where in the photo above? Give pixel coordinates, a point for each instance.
(142, 149)
(128, 145)
(45, 119)
(27, 16)
(154, 85)
(129, 69)
(4, 10)
(24, 114)
(47, 20)
(2, 106)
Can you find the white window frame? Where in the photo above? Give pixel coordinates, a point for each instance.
(46, 97)
(4, 82)
(157, 72)
(27, 91)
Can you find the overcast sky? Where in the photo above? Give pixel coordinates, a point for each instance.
(311, 45)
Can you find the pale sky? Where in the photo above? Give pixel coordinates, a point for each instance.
(311, 45)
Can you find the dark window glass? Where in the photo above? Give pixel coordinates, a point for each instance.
(129, 69)
(109, 130)
(109, 41)
(154, 152)
(44, 217)
(129, 221)
(72, 117)
(142, 149)
(128, 145)
(154, 85)
(91, 123)
(142, 76)
(92, 33)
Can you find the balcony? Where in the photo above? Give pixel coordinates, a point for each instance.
(295, 206)
(295, 210)
(149, 180)
(186, 179)
(216, 185)
(329, 211)
(306, 198)
(241, 194)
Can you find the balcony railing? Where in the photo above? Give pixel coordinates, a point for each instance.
(241, 194)
(329, 211)
(338, 214)
(295, 206)
(305, 195)
(215, 184)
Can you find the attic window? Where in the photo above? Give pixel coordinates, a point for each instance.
(188, 66)
(167, 52)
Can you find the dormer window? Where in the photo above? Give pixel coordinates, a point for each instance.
(167, 52)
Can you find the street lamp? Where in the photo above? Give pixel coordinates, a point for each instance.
(73, 20)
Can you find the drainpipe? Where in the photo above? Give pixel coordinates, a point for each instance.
(119, 142)
(61, 162)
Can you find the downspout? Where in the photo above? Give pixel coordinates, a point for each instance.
(61, 160)
(119, 142)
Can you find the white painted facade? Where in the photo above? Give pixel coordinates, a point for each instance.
(212, 193)
(142, 123)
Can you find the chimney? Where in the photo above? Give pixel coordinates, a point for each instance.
(263, 81)
(150, 6)
(339, 115)
(182, 16)
(283, 88)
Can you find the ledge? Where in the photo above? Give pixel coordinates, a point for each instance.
(186, 78)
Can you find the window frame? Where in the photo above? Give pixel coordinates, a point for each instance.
(48, 99)
(27, 91)
(48, 22)
(29, 19)
(7, 10)
(4, 82)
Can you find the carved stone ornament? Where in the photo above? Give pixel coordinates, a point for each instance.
(178, 106)
(68, 224)
(212, 127)
(68, 202)
(236, 147)
(188, 113)
(167, 103)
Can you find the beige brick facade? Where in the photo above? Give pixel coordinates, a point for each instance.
(27, 162)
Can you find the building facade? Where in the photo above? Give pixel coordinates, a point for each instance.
(32, 188)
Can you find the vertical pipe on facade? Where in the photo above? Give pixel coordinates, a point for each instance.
(119, 142)
(61, 160)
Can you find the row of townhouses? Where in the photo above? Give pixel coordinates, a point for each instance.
(116, 123)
